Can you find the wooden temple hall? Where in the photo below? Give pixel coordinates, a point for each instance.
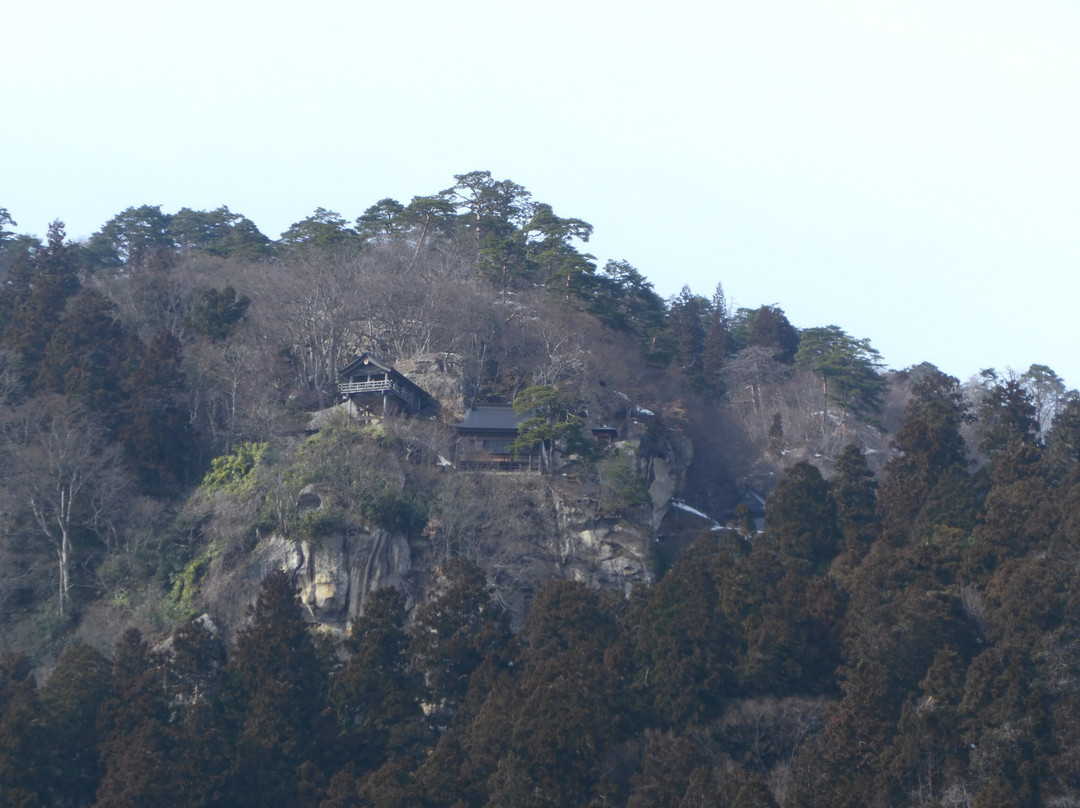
(485, 436)
(374, 389)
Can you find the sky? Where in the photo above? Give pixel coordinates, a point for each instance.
(908, 171)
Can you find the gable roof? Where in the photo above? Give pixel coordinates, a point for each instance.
(366, 359)
(491, 418)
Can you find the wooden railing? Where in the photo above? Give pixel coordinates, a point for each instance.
(379, 386)
(500, 461)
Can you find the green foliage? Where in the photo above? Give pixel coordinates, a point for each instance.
(621, 296)
(913, 642)
(319, 523)
(183, 602)
(355, 466)
(800, 516)
(21, 740)
(218, 232)
(70, 701)
(688, 322)
(383, 221)
(390, 508)
(133, 235)
(685, 647)
(156, 433)
(324, 230)
(217, 313)
(552, 424)
(234, 472)
(848, 368)
(623, 490)
(456, 631)
(376, 695)
(1063, 442)
(927, 444)
(1007, 414)
(33, 301)
(770, 328)
(854, 490)
(133, 723)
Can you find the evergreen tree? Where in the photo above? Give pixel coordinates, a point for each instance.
(718, 342)
(281, 696)
(217, 314)
(770, 328)
(155, 433)
(688, 318)
(570, 703)
(35, 299)
(800, 517)
(88, 355)
(70, 700)
(926, 445)
(22, 768)
(377, 694)
(133, 722)
(133, 236)
(1007, 414)
(684, 646)
(324, 231)
(848, 369)
(1018, 515)
(198, 729)
(218, 232)
(854, 490)
(456, 631)
(1063, 442)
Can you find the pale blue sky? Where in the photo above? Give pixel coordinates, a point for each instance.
(906, 170)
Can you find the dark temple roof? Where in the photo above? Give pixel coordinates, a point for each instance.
(491, 418)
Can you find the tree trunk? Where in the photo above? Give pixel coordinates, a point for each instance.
(63, 556)
(825, 412)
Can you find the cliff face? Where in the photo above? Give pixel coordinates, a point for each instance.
(333, 576)
(522, 528)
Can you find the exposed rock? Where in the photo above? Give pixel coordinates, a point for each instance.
(599, 551)
(440, 375)
(333, 576)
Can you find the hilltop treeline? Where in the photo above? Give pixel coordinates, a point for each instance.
(130, 361)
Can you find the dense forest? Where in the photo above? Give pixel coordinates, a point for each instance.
(902, 628)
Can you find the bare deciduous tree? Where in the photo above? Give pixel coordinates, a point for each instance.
(64, 480)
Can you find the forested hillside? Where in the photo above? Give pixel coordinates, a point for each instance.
(223, 589)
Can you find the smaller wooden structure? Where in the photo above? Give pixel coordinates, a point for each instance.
(375, 389)
(605, 435)
(485, 436)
